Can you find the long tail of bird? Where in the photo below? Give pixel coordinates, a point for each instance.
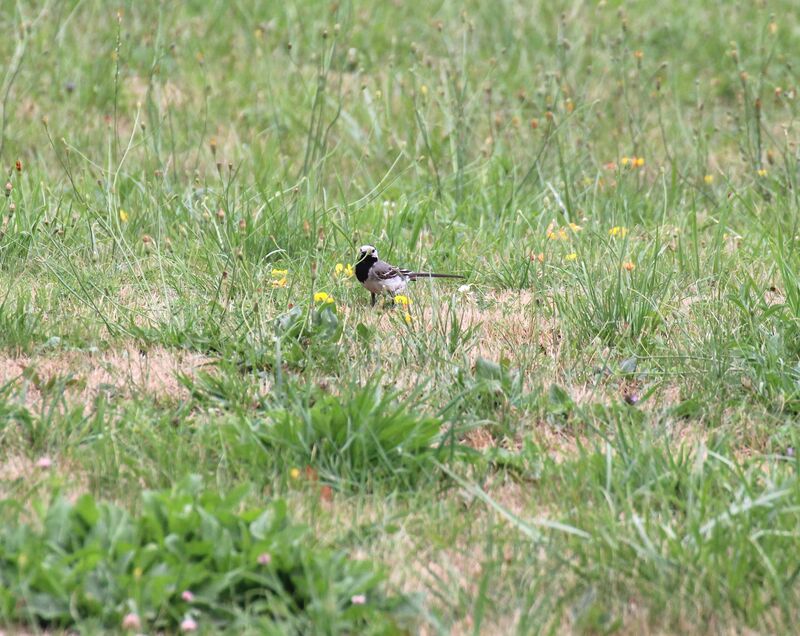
(415, 275)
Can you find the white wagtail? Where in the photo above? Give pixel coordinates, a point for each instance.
(381, 278)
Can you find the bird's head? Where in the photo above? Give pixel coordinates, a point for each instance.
(368, 253)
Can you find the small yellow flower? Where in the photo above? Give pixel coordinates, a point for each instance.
(322, 297)
(280, 282)
(762, 172)
(408, 318)
(629, 266)
(137, 573)
(637, 162)
(618, 231)
(571, 257)
(624, 161)
(402, 300)
(343, 270)
(294, 473)
(279, 273)
(575, 227)
(123, 215)
(709, 179)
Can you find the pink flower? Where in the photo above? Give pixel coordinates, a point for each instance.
(264, 558)
(188, 625)
(131, 621)
(187, 596)
(358, 599)
(44, 462)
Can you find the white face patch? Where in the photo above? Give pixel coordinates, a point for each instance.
(368, 250)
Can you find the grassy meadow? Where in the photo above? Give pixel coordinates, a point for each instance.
(205, 427)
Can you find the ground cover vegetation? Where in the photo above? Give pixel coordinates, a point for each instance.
(204, 426)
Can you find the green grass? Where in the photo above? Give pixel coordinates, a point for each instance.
(595, 433)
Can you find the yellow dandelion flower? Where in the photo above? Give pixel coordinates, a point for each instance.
(123, 215)
(762, 172)
(709, 179)
(618, 231)
(294, 473)
(408, 318)
(322, 297)
(402, 300)
(555, 233)
(571, 257)
(637, 162)
(628, 266)
(343, 270)
(280, 282)
(624, 161)
(575, 227)
(279, 273)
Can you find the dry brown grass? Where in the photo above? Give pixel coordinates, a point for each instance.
(24, 474)
(123, 371)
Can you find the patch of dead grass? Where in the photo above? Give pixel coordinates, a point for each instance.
(30, 472)
(123, 372)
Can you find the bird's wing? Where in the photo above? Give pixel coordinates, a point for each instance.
(383, 271)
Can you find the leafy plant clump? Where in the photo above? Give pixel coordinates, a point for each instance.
(358, 438)
(190, 558)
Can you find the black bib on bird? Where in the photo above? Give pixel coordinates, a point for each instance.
(363, 266)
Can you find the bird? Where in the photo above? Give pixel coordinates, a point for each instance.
(378, 277)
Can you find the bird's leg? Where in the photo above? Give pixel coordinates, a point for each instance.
(373, 299)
